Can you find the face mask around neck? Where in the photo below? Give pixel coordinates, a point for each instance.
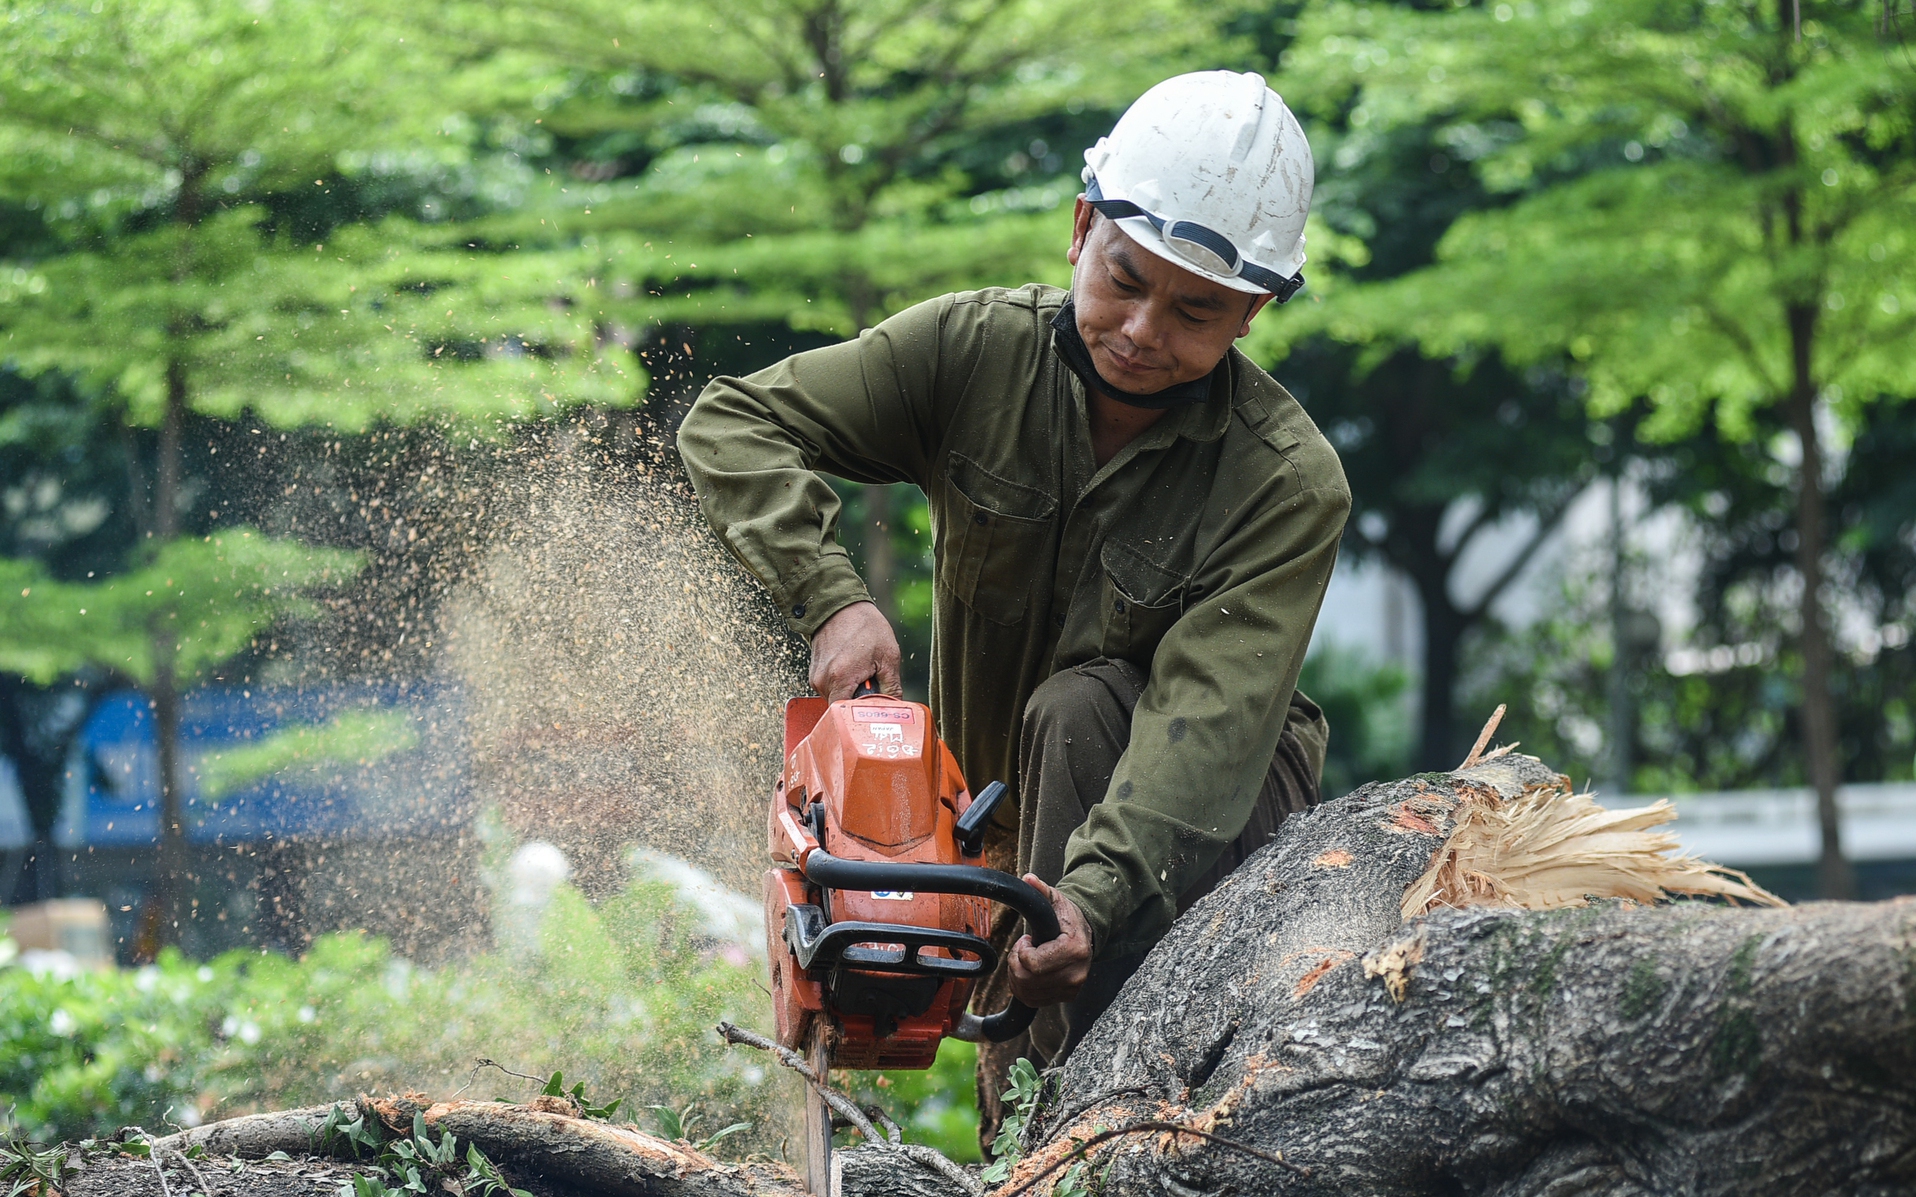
(1077, 355)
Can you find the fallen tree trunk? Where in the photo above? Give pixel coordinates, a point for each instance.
(1608, 1049)
(1615, 1049)
(548, 1144)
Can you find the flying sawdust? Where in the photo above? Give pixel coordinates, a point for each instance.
(623, 679)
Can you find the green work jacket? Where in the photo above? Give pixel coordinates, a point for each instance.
(1200, 552)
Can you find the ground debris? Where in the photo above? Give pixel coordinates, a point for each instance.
(116, 1175)
(543, 1147)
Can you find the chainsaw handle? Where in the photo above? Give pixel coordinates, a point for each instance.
(822, 868)
(1041, 921)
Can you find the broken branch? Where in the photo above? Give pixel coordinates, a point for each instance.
(1483, 737)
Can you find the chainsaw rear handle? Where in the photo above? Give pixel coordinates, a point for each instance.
(1041, 921)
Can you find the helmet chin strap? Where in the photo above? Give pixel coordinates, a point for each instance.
(1077, 355)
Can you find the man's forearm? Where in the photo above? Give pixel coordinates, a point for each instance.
(753, 448)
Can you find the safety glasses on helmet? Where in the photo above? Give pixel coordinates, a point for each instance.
(1202, 246)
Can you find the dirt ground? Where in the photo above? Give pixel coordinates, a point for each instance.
(225, 1176)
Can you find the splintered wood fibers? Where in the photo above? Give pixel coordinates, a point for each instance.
(623, 678)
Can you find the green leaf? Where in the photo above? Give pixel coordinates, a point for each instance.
(1020, 1100)
(707, 1143)
(671, 1122)
(1074, 1182)
(486, 1175)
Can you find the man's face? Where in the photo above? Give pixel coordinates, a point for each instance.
(1148, 323)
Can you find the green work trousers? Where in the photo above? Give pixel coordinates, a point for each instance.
(1076, 726)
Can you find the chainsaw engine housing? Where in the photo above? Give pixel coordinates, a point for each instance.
(867, 781)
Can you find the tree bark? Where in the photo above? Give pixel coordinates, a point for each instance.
(547, 1143)
(1683, 1048)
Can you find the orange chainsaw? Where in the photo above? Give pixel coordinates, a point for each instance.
(877, 912)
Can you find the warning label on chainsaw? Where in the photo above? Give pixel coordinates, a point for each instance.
(882, 714)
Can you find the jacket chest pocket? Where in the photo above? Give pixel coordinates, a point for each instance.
(997, 541)
(1141, 600)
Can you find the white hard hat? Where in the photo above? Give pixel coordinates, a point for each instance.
(1210, 171)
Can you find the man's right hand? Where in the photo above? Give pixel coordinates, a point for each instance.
(853, 646)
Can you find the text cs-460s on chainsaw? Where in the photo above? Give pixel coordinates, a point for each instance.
(877, 912)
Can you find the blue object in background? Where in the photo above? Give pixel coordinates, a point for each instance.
(113, 791)
(16, 829)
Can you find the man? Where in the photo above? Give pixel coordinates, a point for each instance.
(1133, 529)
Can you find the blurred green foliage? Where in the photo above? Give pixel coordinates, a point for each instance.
(622, 997)
(1367, 704)
(937, 1107)
(210, 596)
(1667, 184)
(1700, 213)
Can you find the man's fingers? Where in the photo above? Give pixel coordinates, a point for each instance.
(1047, 973)
(889, 681)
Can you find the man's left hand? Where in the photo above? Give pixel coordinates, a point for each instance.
(1046, 974)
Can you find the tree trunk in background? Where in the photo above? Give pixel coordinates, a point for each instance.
(1821, 750)
(39, 768)
(170, 869)
(669, 355)
(881, 566)
(172, 883)
(1444, 628)
(1623, 649)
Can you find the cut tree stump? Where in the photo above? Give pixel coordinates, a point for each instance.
(1601, 1050)
(1609, 1049)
